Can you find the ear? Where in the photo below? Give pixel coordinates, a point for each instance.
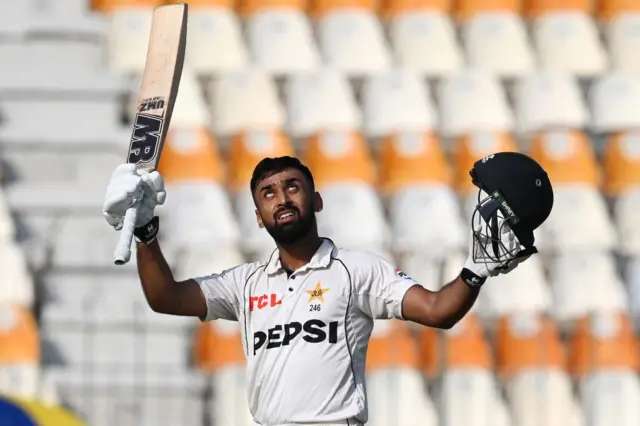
(259, 219)
(318, 204)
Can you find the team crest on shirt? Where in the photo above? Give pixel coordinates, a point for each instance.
(317, 293)
(402, 274)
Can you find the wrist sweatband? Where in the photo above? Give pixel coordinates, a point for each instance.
(147, 233)
(471, 279)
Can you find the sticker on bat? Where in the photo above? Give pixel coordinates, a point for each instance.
(151, 104)
(145, 138)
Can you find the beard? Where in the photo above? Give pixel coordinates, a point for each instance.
(289, 233)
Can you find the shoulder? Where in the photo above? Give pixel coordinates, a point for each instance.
(240, 274)
(359, 260)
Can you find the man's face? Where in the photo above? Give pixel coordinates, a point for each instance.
(286, 206)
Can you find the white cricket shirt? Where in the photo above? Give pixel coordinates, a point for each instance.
(306, 336)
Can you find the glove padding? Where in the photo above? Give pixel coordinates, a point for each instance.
(128, 187)
(511, 255)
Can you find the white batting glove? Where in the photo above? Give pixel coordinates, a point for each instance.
(129, 186)
(510, 253)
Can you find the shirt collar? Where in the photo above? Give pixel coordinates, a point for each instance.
(320, 259)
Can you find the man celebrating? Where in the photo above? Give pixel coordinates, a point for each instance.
(312, 303)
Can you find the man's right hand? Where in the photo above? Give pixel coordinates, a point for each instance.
(128, 187)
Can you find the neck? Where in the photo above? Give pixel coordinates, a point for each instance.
(298, 254)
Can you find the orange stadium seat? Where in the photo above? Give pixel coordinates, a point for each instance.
(466, 9)
(536, 8)
(471, 148)
(216, 347)
(527, 341)
(318, 8)
(604, 340)
(621, 163)
(412, 158)
(191, 155)
(339, 156)
(19, 340)
(248, 148)
(394, 8)
(197, 4)
(107, 6)
(464, 346)
(567, 156)
(247, 8)
(391, 346)
(611, 9)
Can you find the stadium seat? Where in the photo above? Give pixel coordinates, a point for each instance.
(602, 341)
(621, 163)
(353, 216)
(610, 397)
(524, 289)
(422, 26)
(567, 156)
(470, 101)
(527, 341)
(579, 221)
(339, 156)
(568, 274)
(19, 351)
(544, 397)
(247, 149)
(351, 39)
(497, 42)
(218, 352)
(129, 25)
(548, 99)
(632, 278)
(472, 147)
(214, 39)
(191, 109)
(534, 9)
(393, 363)
(16, 285)
(615, 102)
(7, 226)
(627, 222)
(15, 18)
(422, 267)
(396, 100)
(141, 398)
(320, 100)
(622, 34)
(569, 41)
(244, 100)
(280, 38)
(468, 9)
(412, 158)
(609, 10)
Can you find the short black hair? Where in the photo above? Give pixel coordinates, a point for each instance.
(271, 165)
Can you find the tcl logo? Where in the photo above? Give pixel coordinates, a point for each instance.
(282, 335)
(264, 301)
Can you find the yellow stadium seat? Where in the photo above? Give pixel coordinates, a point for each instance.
(339, 156)
(473, 147)
(217, 347)
(407, 159)
(248, 148)
(610, 9)
(19, 340)
(466, 9)
(527, 341)
(621, 163)
(191, 155)
(393, 8)
(536, 8)
(392, 345)
(567, 156)
(605, 340)
(464, 346)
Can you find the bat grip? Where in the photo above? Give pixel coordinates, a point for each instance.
(122, 253)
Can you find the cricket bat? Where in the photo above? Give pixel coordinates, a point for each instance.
(157, 96)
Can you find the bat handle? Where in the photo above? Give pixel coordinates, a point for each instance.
(122, 253)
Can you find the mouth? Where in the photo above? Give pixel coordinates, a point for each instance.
(287, 216)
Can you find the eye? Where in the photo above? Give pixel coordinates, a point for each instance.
(292, 187)
(268, 193)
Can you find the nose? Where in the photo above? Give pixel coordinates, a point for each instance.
(283, 198)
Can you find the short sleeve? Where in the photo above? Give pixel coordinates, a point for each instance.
(380, 287)
(221, 291)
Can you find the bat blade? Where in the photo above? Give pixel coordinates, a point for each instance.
(156, 99)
